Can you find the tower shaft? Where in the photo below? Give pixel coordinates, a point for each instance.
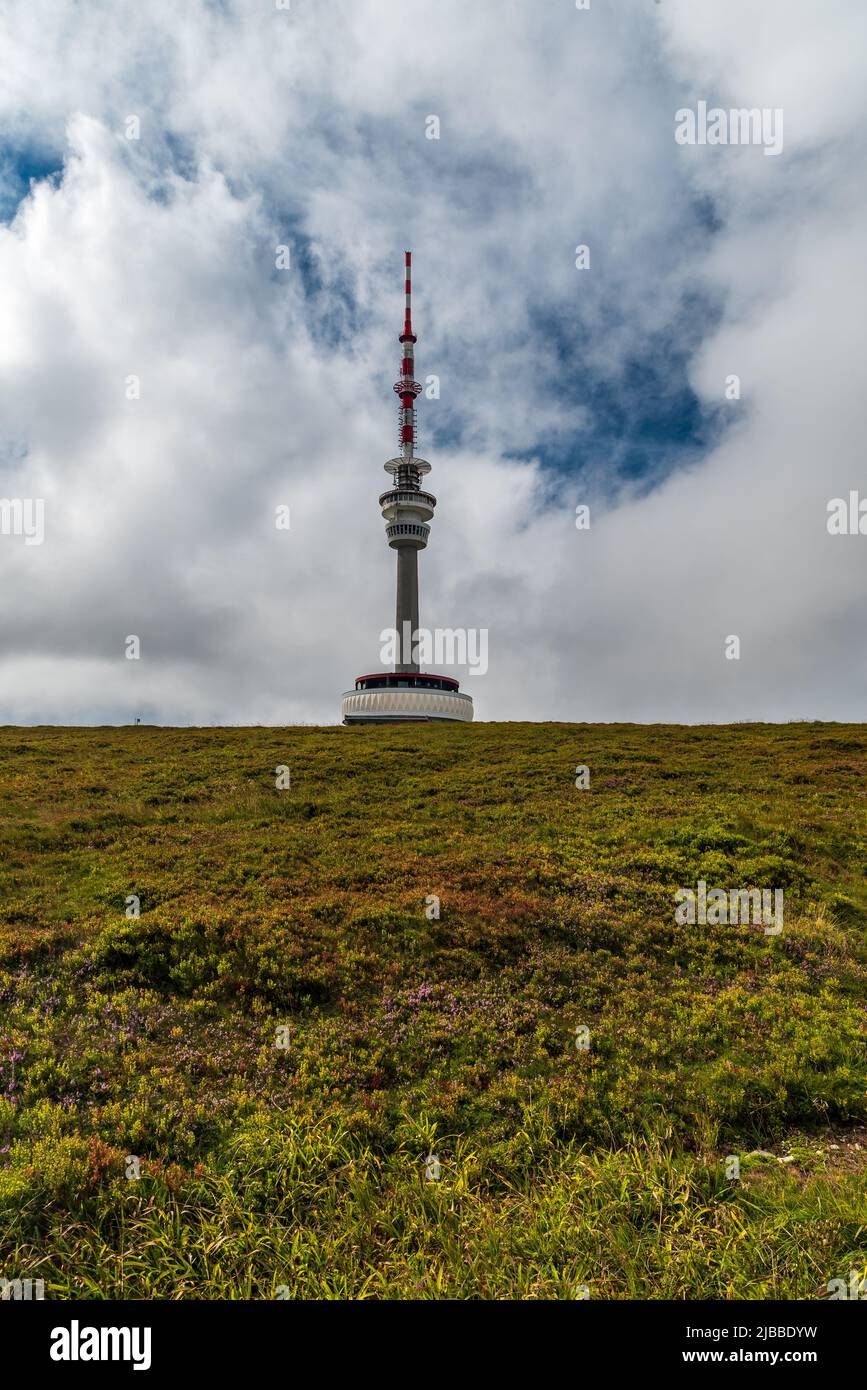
(406, 616)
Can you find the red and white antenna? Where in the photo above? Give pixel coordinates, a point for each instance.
(407, 388)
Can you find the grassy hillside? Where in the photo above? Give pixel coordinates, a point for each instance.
(283, 1035)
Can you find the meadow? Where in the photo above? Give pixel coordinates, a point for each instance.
(239, 1022)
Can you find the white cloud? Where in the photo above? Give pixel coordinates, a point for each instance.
(156, 258)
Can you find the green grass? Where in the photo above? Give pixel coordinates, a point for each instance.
(299, 1170)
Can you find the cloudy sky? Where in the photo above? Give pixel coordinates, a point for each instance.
(307, 126)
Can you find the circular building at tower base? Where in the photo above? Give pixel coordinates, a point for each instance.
(390, 697)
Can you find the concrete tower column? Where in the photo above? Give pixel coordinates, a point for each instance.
(407, 602)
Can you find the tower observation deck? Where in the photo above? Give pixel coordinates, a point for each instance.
(406, 693)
